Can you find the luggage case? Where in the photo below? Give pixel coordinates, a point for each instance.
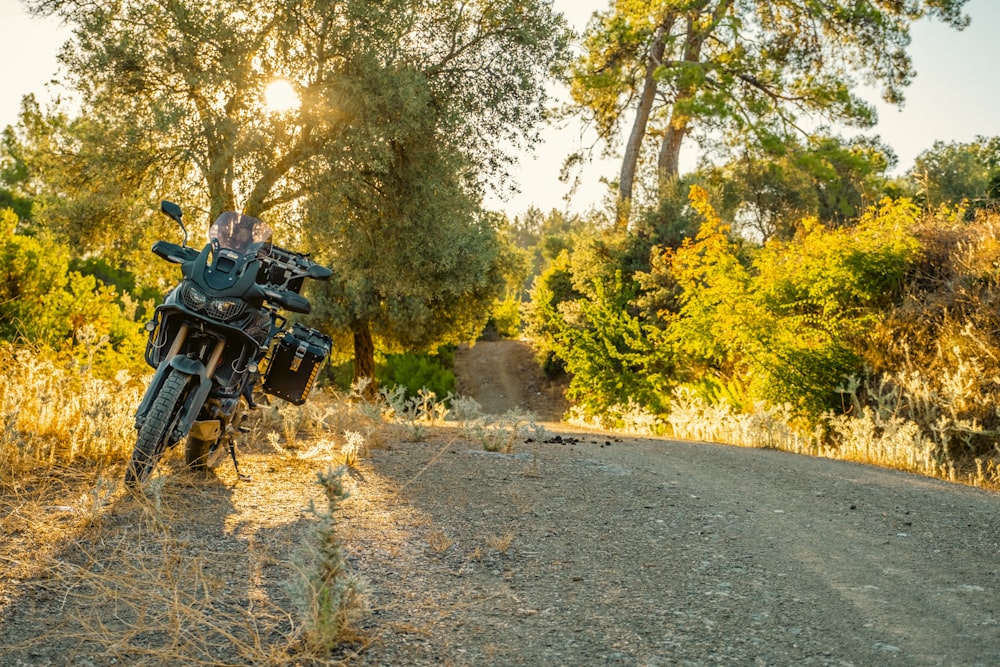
(294, 362)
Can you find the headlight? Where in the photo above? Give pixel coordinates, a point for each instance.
(224, 309)
(192, 297)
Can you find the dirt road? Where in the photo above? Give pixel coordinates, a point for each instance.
(650, 552)
(503, 375)
(589, 549)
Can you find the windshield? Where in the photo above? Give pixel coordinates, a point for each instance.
(241, 233)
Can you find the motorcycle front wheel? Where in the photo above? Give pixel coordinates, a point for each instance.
(152, 436)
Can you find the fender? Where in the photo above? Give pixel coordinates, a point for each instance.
(195, 369)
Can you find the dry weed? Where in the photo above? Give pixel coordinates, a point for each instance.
(501, 543)
(439, 541)
(57, 413)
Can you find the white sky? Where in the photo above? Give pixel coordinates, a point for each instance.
(955, 96)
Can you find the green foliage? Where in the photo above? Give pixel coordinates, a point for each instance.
(765, 191)
(740, 69)
(542, 320)
(515, 265)
(122, 280)
(412, 256)
(950, 173)
(789, 320)
(409, 109)
(506, 317)
(586, 319)
(611, 354)
(782, 324)
(418, 371)
(42, 301)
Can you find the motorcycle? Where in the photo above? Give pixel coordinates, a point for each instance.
(218, 336)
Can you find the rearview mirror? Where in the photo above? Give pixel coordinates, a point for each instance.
(173, 211)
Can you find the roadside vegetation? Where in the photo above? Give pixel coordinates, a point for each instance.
(872, 341)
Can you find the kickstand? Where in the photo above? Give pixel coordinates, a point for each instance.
(232, 454)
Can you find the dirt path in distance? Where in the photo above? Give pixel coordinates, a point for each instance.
(503, 375)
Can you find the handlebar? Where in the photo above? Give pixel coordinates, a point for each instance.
(279, 278)
(287, 300)
(173, 253)
(286, 269)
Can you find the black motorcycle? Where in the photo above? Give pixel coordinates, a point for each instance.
(218, 336)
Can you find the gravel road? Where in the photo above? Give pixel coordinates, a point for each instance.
(652, 552)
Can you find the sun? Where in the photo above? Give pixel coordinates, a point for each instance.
(280, 96)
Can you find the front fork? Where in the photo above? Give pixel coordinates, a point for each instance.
(196, 370)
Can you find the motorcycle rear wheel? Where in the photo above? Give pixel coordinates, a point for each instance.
(200, 455)
(151, 442)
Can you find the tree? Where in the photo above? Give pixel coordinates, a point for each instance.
(177, 88)
(949, 173)
(416, 258)
(766, 192)
(739, 68)
(172, 94)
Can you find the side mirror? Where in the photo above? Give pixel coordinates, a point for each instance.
(173, 211)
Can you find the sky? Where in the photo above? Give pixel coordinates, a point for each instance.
(954, 97)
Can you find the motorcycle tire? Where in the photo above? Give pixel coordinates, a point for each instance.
(150, 444)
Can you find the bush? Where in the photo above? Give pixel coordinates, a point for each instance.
(42, 301)
(57, 412)
(330, 597)
(791, 318)
(418, 371)
(506, 318)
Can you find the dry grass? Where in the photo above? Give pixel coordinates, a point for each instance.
(501, 543)
(872, 435)
(158, 579)
(439, 541)
(56, 413)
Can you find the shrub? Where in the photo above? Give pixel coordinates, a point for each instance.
(506, 317)
(42, 301)
(936, 353)
(418, 371)
(330, 598)
(57, 412)
(791, 317)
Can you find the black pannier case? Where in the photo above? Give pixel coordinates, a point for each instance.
(294, 363)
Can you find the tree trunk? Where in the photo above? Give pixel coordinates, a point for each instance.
(668, 164)
(634, 144)
(364, 358)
